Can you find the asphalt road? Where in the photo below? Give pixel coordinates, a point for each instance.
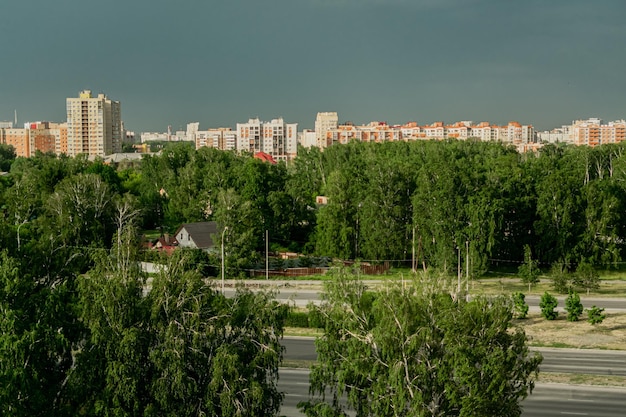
(301, 297)
(578, 361)
(547, 400)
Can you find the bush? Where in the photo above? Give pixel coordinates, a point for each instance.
(561, 280)
(547, 304)
(587, 277)
(520, 306)
(573, 306)
(595, 315)
(297, 319)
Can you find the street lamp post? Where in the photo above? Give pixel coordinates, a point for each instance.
(225, 229)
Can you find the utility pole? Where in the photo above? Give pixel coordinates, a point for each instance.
(413, 265)
(467, 270)
(458, 292)
(267, 261)
(224, 232)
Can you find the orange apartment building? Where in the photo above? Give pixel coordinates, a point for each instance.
(38, 136)
(18, 138)
(514, 133)
(592, 132)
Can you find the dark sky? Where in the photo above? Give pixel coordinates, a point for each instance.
(543, 62)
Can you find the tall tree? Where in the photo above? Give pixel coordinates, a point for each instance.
(405, 352)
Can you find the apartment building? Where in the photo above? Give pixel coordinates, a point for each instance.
(592, 132)
(94, 125)
(223, 138)
(18, 138)
(513, 133)
(276, 138)
(325, 122)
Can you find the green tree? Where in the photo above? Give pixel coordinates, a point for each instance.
(561, 280)
(7, 156)
(405, 352)
(587, 277)
(520, 306)
(529, 271)
(547, 304)
(182, 350)
(39, 338)
(573, 306)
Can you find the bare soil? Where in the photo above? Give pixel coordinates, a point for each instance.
(610, 334)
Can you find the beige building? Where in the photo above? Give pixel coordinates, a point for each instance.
(18, 138)
(325, 122)
(275, 138)
(513, 133)
(593, 132)
(94, 125)
(223, 138)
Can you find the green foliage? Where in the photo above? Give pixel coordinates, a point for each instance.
(561, 280)
(529, 270)
(595, 315)
(7, 156)
(298, 319)
(184, 349)
(520, 306)
(404, 352)
(587, 277)
(39, 338)
(573, 306)
(547, 305)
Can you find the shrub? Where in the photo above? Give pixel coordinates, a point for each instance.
(297, 319)
(561, 280)
(547, 304)
(520, 306)
(573, 306)
(587, 277)
(595, 315)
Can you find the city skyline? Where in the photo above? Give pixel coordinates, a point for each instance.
(219, 63)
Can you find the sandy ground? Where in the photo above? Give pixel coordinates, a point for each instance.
(610, 334)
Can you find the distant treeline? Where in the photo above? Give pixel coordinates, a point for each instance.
(385, 202)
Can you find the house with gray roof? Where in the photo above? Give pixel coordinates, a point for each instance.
(197, 235)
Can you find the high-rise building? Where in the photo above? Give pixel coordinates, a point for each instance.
(325, 122)
(94, 125)
(276, 138)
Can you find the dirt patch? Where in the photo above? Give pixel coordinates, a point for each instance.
(610, 334)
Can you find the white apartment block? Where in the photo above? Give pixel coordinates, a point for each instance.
(275, 138)
(153, 137)
(223, 138)
(562, 134)
(325, 122)
(307, 138)
(94, 125)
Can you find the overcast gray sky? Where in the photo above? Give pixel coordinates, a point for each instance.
(543, 62)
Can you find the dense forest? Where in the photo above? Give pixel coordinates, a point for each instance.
(80, 335)
(385, 202)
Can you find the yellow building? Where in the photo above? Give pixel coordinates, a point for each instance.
(94, 125)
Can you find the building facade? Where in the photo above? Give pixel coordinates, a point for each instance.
(592, 132)
(325, 122)
(513, 133)
(94, 125)
(275, 138)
